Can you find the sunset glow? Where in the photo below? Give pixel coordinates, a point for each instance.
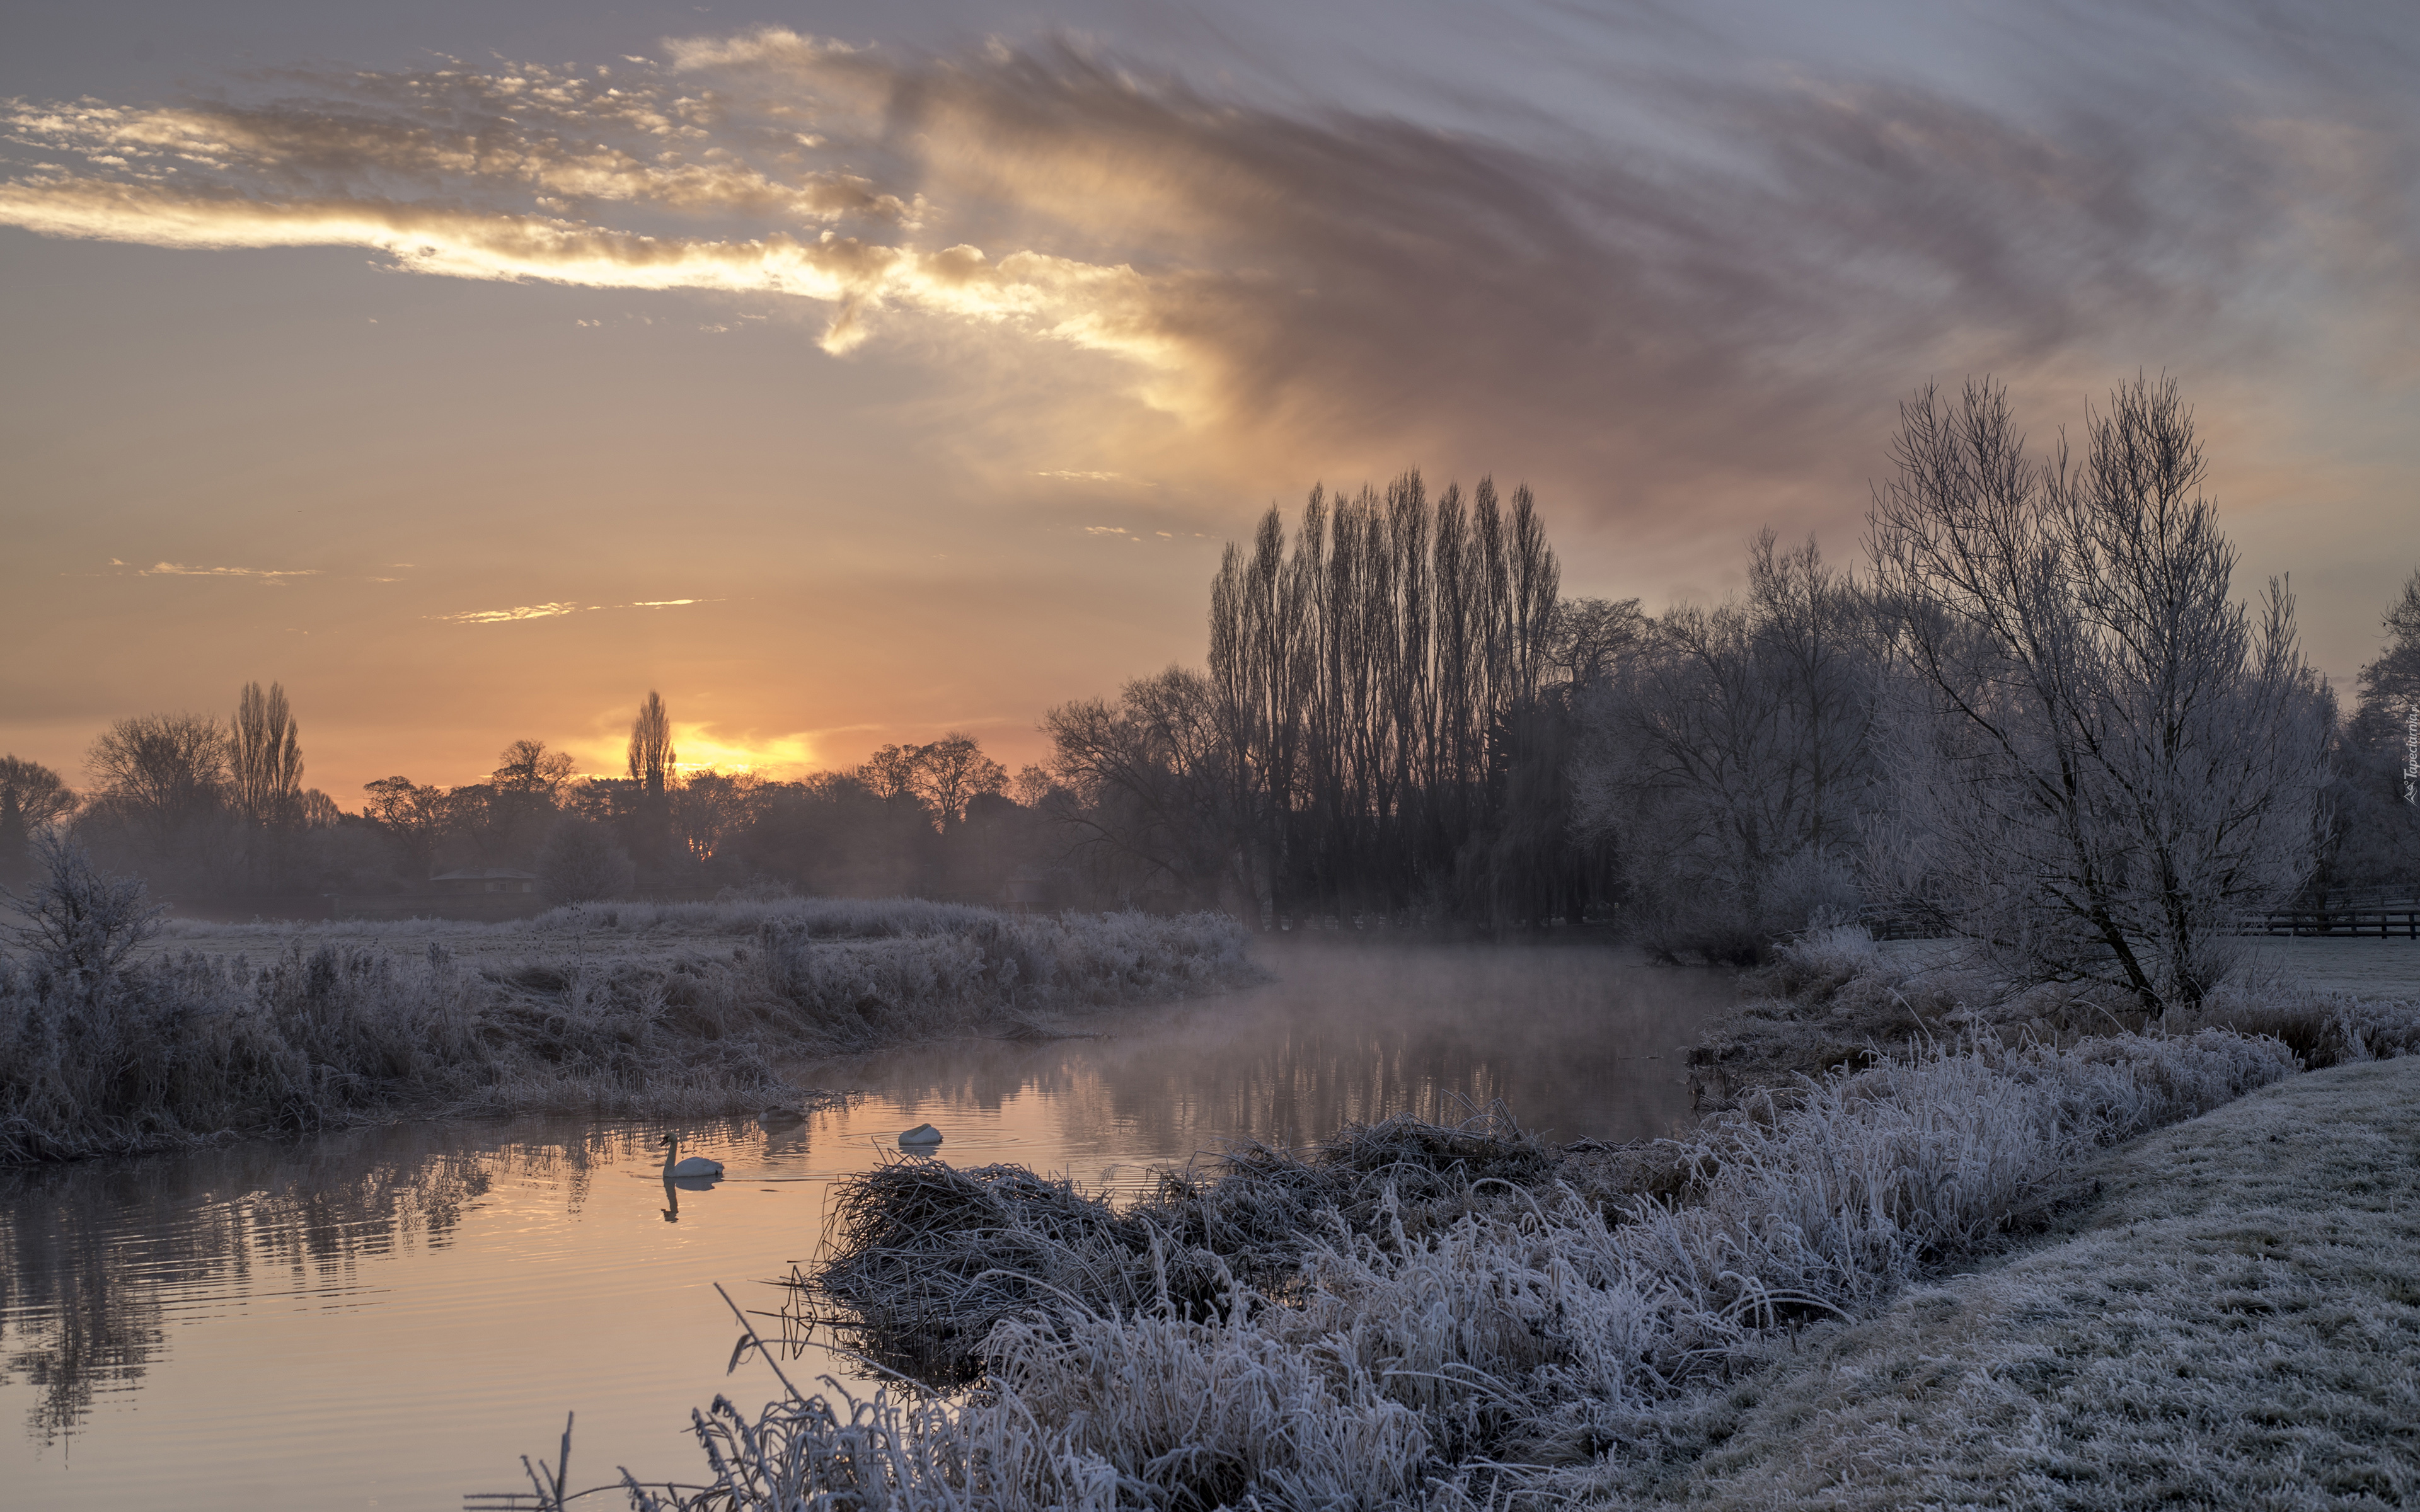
(689, 349)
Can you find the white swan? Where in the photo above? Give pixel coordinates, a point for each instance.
(695, 1165)
(923, 1136)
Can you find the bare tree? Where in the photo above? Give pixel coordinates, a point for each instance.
(2103, 755)
(415, 815)
(950, 772)
(1589, 639)
(1029, 786)
(1146, 798)
(73, 916)
(526, 766)
(711, 808)
(264, 757)
(2391, 683)
(1729, 754)
(651, 754)
(890, 772)
(34, 793)
(527, 785)
(1369, 683)
(161, 770)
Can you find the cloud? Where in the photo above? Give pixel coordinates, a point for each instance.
(525, 611)
(548, 611)
(1722, 307)
(1087, 305)
(178, 569)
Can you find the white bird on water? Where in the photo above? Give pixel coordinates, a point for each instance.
(923, 1136)
(695, 1165)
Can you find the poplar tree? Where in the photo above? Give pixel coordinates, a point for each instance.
(651, 754)
(264, 757)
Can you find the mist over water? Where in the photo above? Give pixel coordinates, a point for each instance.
(390, 1317)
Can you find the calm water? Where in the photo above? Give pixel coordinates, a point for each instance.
(389, 1317)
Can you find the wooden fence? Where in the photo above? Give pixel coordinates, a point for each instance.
(2339, 923)
(2393, 920)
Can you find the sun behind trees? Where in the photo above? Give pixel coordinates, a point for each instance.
(2033, 717)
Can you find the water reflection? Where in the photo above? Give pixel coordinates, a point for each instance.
(103, 1257)
(1578, 1042)
(298, 1323)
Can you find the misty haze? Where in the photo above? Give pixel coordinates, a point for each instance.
(1362, 757)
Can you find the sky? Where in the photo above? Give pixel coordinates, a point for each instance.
(854, 373)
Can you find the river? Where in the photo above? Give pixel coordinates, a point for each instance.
(390, 1317)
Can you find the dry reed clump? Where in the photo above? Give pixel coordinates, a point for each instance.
(1823, 1002)
(2324, 1028)
(104, 1051)
(921, 1259)
(1521, 1348)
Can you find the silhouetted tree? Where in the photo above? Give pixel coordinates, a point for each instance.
(36, 793)
(161, 774)
(264, 757)
(2372, 839)
(952, 770)
(890, 772)
(1366, 680)
(710, 808)
(1729, 752)
(415, 816)
(651, 754)
(2391, 683)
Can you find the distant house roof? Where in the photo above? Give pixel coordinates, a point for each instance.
(491, 873)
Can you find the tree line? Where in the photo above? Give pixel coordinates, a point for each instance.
(2036, 714)
(214, 809)
(2039, 718)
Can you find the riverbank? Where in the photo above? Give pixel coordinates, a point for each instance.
(640, 1010)
(1410, 1314)
(2233, 1321)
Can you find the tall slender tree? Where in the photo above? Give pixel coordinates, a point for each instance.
(1366, 682)
(651, 754)
(265, 757)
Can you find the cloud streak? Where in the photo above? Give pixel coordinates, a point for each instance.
(556, 611)
(265, 575)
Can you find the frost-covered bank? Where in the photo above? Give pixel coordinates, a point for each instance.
(2233, 1322)
(1413, 1315)
(102, 1049)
